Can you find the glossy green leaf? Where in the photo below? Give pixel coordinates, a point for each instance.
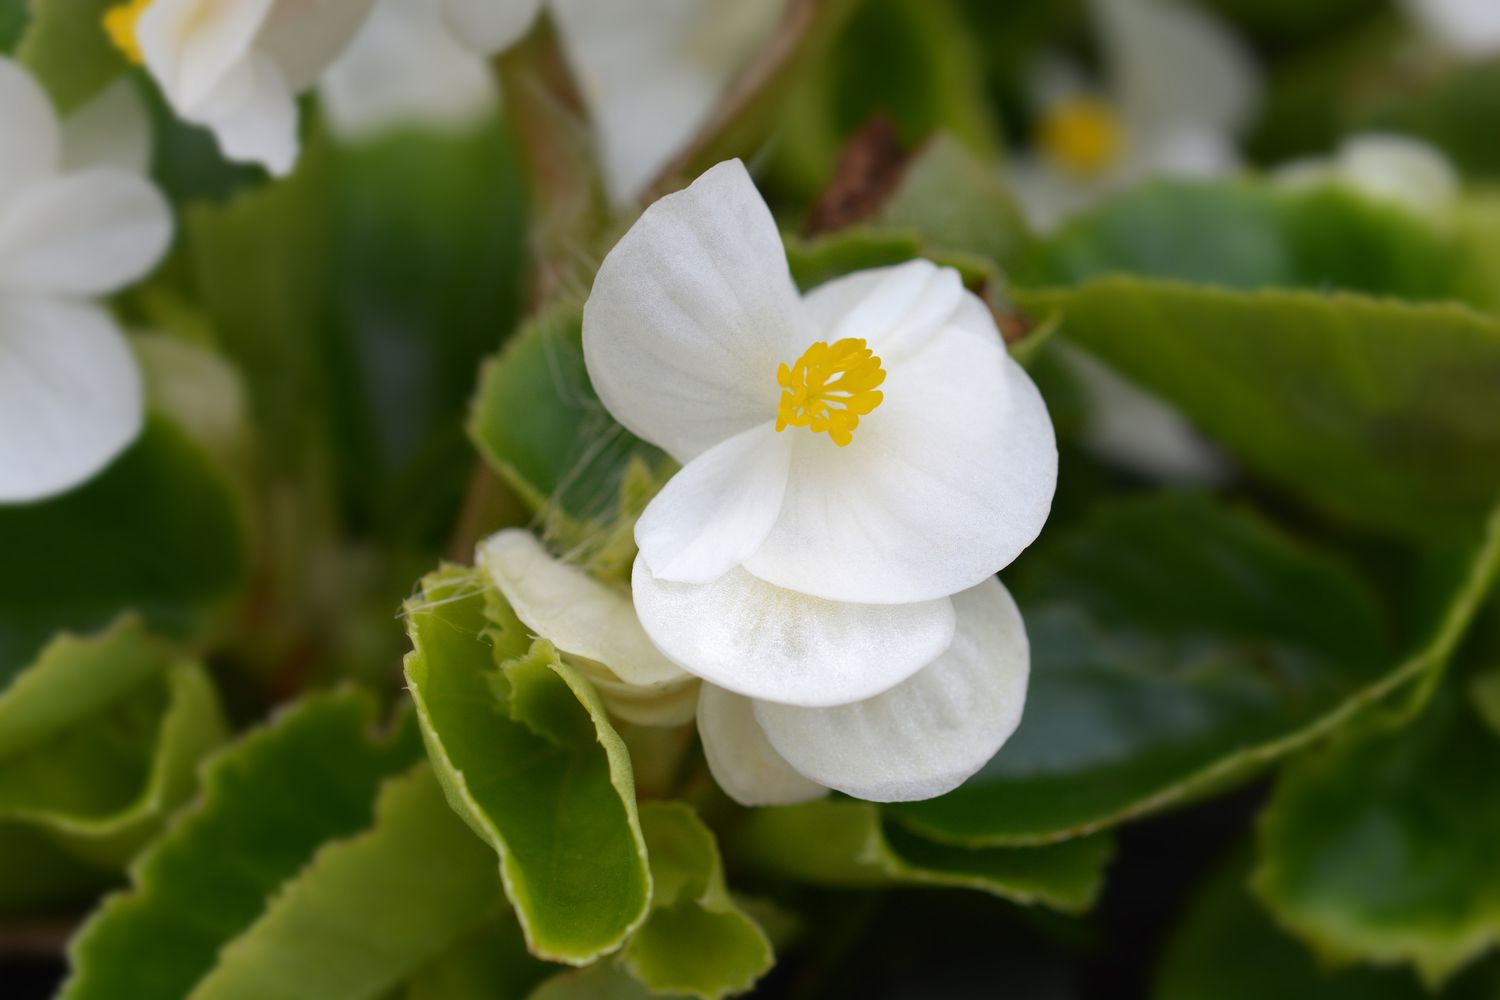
(66, 47)
(846, 843)
(1382, 849)
(1378, 412)
(100, 740)
(270, 802)
(525, 751)
(368, 910)
(696, 941)
(1227, 948)
(1177, 647)
(489, 962)
(1452, 108)
(605, 980)
(159, 532)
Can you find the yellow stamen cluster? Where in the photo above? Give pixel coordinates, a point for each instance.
(119, 24)
(830, 388)
(1082, 135)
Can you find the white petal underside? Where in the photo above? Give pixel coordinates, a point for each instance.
(740, 757)
(192, 47)
(1468, 27)
(489, 26)
(304, 37)
(113, 129)
(31, 145)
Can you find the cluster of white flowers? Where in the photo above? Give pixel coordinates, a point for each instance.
(856, 466)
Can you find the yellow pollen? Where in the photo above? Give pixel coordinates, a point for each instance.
(830, 388)
(1081, 134)
(119, 24)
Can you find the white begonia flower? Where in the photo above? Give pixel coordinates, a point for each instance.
(237, 66)
(406, 67)
(70, 391)
(1180, 88)
(650, 71)
(594, 625)
(1385, 167)
(1470, 28)
(857, 464)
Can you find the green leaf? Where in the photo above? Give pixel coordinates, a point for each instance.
(370, 909)
(1178, 647)
(1227, 948)
(601, 981)
(269, 803)
(1382, 848)
(100, 740)
(490, 962)
(845, 843)
(696, 941)
(159, 532)
(66, 47)
(1378, 412)
(525, 751)
(1449, 108)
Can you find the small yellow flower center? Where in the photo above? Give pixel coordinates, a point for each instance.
(119, 24)
(830, 388)
(1082, 134)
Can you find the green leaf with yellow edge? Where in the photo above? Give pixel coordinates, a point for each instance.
(848, 844)
(269, 803)
(66, 47)
(100, 740)
(696, 941)
(368, 910)
(524, 748)
(1382, 848)
(1377, 412)
(1178, 647)
(160, 531)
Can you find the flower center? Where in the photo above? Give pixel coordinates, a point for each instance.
(830, 388)
(1082, 134)
(119, 24)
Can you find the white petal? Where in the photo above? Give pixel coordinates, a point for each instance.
(664, 705)
(1399, 169)
(1175, 65)
(896, 309)
(929, 734)
(85, 233)
(404, 67)
(944, 483)
(198, 388)
(691, 314)
(192, 46)
(254, 116)
(717, 509)
(1048, 196)
(1188, 152)
(70, 396)
(304, 37)
(576, 613)
(489, 26)
(1468, 27)
(29, 140)
(652, 72)
(741, 758)
(758, 640)
(112, 130)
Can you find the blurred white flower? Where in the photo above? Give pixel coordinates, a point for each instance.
(1470, 28)
(70, 391)
(1180, 87)
(236, 66)
(857, 464)
(1387, 167)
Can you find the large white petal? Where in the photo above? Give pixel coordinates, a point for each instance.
(306, 36)
(663, 705)
(897, 309)
(576, 613)
(691, 314)
(1468, 27)
(70, 396)
(742, 759)
(404, 67)
(758, 640)
(192, 47)
(927, 735)
(717, 509)
(29, 140)
(489, 26)
(85, 233)
(253, 115)
(944, 483)
(1174, 65)
(112, 130)
(652, 72)
(1399, 169)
